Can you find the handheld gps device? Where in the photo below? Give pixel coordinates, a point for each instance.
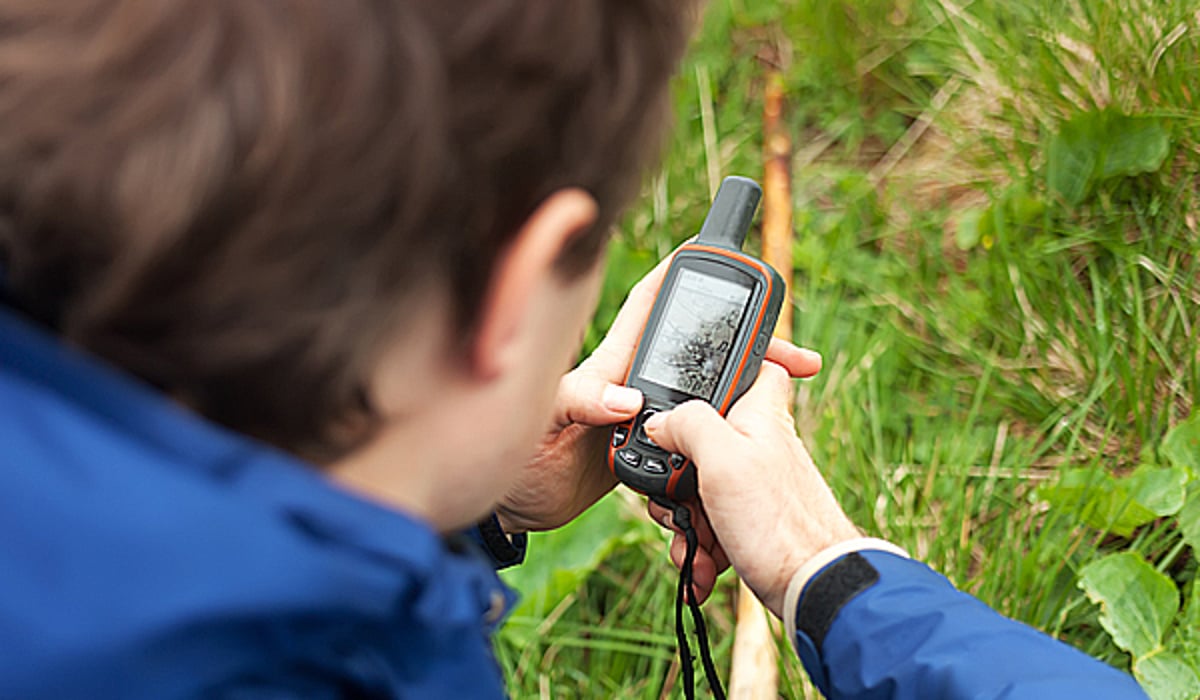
(705, 339)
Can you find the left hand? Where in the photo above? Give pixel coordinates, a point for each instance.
(568, 472)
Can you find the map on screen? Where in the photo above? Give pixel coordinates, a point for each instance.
(695, 335)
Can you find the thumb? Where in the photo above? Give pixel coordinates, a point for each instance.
(588, 399)
(694, 429)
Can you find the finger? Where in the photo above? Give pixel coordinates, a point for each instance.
(769, 396)
(660, 515)
(707, 539)
(666, 518)
(588, 399)
(611, 358)
(693, 428)
(799, 362)
(719, 557)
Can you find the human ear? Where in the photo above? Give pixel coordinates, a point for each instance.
(525, 270)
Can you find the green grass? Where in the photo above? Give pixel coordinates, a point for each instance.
(993, 306)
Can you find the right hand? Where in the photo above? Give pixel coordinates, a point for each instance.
(768, 506)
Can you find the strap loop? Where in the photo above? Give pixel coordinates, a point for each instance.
(683, 519)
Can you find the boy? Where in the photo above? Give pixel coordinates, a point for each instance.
(289, 288)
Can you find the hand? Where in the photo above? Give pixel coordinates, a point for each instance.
(568, 472)
(764, 500)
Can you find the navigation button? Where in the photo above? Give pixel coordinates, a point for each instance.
(642, 437)
(677, 461)
(654, 465)
(629, 457)
(620, 435)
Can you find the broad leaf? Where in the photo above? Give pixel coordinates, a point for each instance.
(1159, 489)
(1187, 632)
(1136, 602)
(1023, 209)
(1166, 676)
(559, 561)
(1095, 146)
(1098, 500)
(1181, 445)
(969, 230)
(1135, 145)
(1191, 618)
(1071, 161)
(1189, 524)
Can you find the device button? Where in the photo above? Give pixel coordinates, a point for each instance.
(760, 345)
(677, 461)
(654, 465)
(629, 457)
(642, 437)
(620, 435)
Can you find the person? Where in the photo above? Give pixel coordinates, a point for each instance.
(291, 290)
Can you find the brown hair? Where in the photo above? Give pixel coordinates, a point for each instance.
(236, 200)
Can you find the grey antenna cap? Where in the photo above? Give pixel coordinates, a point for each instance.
(732, 211)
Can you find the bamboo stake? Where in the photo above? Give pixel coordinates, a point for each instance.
(754, 673)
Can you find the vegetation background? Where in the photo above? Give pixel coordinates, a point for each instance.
(996, 212)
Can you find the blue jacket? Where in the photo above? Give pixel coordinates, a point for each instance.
(874, 625)
(145, 553)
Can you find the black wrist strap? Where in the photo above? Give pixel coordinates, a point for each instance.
(683, 519)
(504, 552)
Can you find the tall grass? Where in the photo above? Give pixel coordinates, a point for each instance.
(984, 325)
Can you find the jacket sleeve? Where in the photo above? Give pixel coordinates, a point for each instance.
(874, 624)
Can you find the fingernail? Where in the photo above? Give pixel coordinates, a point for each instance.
(811, 355)
(666, 521)
(655, 421)
(621, 399)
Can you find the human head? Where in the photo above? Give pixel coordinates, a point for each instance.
(242, 202)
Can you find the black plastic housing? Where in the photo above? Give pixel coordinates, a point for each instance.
(714, 255)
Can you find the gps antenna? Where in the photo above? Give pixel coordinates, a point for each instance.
(732, 211)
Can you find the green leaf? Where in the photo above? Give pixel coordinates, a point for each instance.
(1071, 161)
(966, 236)
(1189, 525)
(1095, 146)
(1023, 208)
(1136, 602)
(1175, 672)
(1099, 501)
(1136, 145)
(1159, 489)
(1166, 676)
(1187, 631)
(1181, 445)
(559, 561)
(1190, 622)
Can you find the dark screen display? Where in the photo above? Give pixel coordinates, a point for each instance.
(696, 333)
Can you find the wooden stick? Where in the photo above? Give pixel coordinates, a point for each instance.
(754, 673)
(777, 194)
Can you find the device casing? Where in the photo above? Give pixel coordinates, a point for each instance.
(718, 258)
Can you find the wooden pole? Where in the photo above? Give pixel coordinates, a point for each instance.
(754, 673)
(777, 194)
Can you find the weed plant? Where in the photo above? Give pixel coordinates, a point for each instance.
(997, 253)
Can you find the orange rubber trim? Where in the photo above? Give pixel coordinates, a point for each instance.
(728, 398)
(673, 480)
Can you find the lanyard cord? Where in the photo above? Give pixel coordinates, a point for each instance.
(683, 519)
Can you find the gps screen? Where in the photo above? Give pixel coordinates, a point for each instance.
(696, 333)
